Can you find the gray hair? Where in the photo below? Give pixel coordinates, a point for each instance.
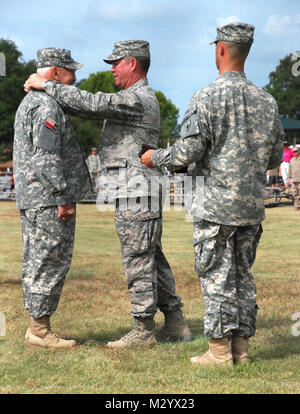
(42, 71)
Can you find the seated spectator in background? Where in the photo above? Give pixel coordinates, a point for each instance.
(294, 175)
(287, 156)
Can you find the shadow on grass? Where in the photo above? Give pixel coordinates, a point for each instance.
(196, 326)
(272, 322)
(273, 341)
(103, 336)
(11, 282)
(278, 348)
(81, 275)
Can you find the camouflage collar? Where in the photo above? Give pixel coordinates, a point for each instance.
(138, 84)
(232, 74)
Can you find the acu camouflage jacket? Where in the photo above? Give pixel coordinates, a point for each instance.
(49, 166)
(231, 130)
(132, 118)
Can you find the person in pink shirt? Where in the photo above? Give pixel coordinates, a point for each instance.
(284, 166)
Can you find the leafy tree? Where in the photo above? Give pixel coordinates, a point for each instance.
(100, 81)
(169, 129)
(285, 87)
(11, 93)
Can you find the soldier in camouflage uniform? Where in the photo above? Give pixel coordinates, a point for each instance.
(294, 177)
(232, 132)
(93, 164)
(132, 118)
(50, 177)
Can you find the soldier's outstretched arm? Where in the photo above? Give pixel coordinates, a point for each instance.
(185, 151)
(123, 105)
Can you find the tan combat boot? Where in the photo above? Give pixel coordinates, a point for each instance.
(141, 334)
(175, 328)
(219, 353)
(240, 349)
(39, 335)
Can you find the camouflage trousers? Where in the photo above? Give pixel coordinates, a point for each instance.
(47, 243)
(150, 281)
(223, 258)
(94, 179)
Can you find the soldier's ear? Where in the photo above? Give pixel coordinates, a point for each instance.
(221, 49)
(55, 73)
(133, 63)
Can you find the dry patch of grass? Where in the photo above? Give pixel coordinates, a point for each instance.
(95, 308)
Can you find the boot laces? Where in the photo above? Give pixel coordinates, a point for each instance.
(130, 335)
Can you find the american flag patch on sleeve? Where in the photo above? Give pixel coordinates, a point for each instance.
(49, 123)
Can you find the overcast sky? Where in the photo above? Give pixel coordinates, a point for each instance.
(179, 32)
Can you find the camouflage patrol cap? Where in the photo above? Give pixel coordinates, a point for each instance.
(235, 32)
(135, 48)
(52, 56)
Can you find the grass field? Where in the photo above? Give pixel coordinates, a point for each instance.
(95, 308)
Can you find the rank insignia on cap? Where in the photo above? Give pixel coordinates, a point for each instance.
(51, 124)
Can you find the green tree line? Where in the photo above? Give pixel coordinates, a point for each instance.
(284, 85)
(88, 131)
(11, 93)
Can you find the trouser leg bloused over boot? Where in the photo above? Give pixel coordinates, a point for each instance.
(39, 335)
(47, 254)
(151, 284)
(150, 280)
(224, 256)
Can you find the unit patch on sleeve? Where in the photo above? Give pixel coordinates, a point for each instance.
(48, 136)
(189, 125)
(49, 123)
